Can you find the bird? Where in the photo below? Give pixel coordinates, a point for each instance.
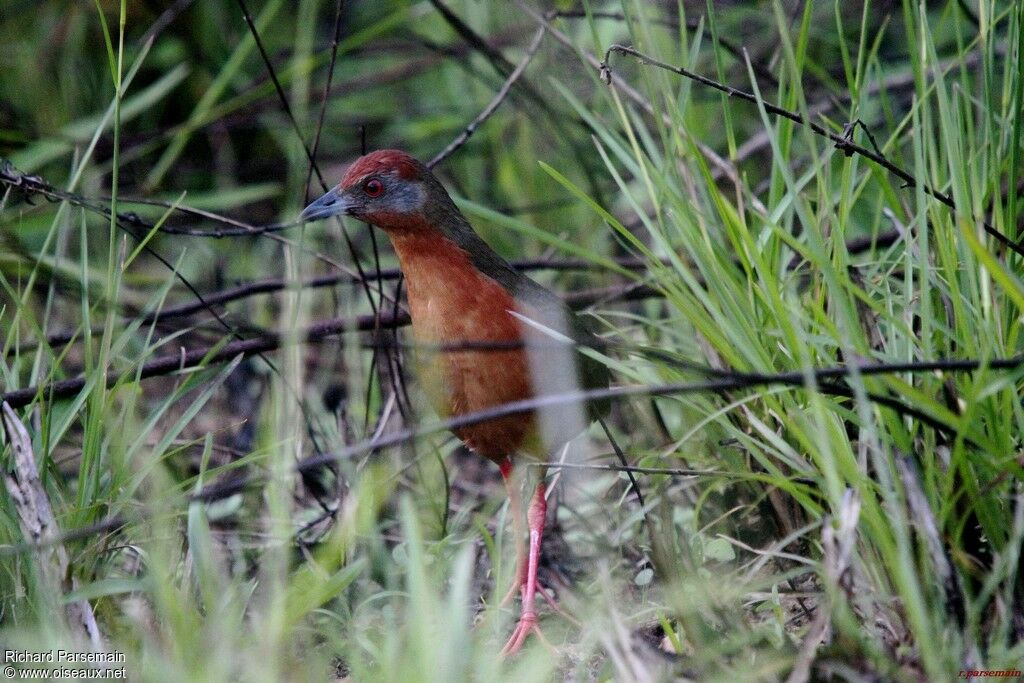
(485, 335)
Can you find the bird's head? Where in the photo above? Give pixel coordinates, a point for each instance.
(387, 188)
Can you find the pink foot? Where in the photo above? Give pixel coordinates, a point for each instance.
(528, 619)
(527, 624)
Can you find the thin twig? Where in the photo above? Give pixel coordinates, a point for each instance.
(497, 60)
(843, 143)
(312, 160)
(738, 381)
(691, 25)
(625, 466)
(270, 341)
(33, 185)
(493, 105)
(327, 91)
(723, 165)
(280, 91)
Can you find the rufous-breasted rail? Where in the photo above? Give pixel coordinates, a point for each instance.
(463, 296)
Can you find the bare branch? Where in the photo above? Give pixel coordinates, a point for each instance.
(493, 105)
(843, 143)
(725, 383)
(39, 526)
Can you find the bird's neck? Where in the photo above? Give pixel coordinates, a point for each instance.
(427, 251)
(432, 261)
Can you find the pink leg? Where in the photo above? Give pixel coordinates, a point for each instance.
(528, 617)
(515, 510)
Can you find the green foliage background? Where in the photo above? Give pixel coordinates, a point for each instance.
(855, 526)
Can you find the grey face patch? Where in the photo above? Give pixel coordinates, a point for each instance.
(399, 196)
(402, 196)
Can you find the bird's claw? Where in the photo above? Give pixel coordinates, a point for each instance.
(519, 584)
(527, 624)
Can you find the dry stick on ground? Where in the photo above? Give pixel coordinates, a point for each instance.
(843, 143)
(39, 526)
(922, 517)
(839, 542)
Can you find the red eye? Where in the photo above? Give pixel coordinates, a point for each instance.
(373, 188)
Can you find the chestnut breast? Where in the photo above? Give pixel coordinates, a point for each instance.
(451, 303)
